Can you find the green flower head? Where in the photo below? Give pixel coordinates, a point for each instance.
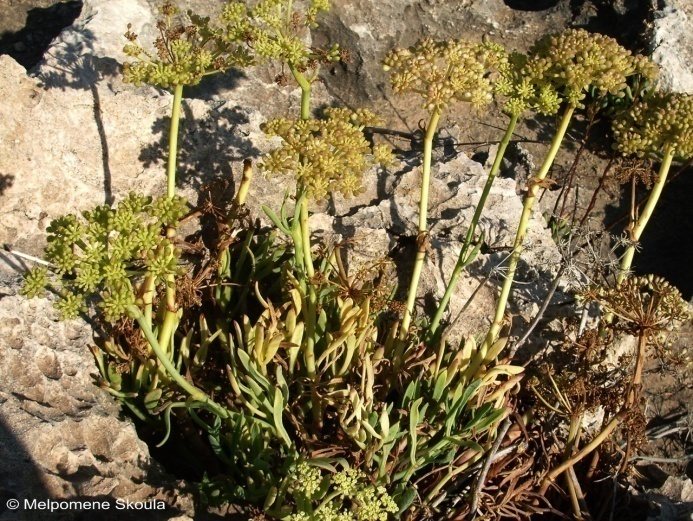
(70, 305)
(275, 30)
(116, 300)
(445, 71)
(35, 282)
(325, 156)
(575, 59)
(184, 53)
(652, 125)
(308, 479)
(168, 210)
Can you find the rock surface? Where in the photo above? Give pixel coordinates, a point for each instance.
(672, 45)
(60, 435)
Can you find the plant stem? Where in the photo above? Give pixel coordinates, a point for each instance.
(244, 187)
(305, 92)
(463, 260)
(195, 393)
(168, 327)
(532, 192)
(587, 449)
(312, 297)
(173, 141)
(422, 238)
(304, 239)
(148, 297)
(638, 226)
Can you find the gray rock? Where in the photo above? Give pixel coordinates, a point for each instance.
(60, 435)
(672, 45)
(673, 501)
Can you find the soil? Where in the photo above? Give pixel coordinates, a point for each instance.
(28, 26)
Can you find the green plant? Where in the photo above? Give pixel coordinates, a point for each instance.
(441, 72)
(660, 125)
(568, 63)
(318, 399)
(523, 93)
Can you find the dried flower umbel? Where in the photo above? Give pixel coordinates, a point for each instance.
(645, 307)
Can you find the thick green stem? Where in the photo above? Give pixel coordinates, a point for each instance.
(312, 297)
(422, 239)
(244, 187)
(195, 393)
(463, 260)
(303, 240)
(532, 192)
(637, 227)
(305, 92)
(173, 141)
(167, 329)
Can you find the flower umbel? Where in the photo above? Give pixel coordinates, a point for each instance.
(652, 124)
(184, 53)
(575, 59)
(325, 156)
(445, 71)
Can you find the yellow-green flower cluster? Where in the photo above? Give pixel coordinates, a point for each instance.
(326, 155)
(653, 124)
(524, 92)
(273, 29)
(308, 479)
(35, 282)
(445, 71)
(184, 53)
(353, 497)
(374, 504)
(575, 59)
(105, 250)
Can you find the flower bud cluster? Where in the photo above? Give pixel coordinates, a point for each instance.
(575, 59)
(308, 479)
(325, 156)
(274, 31)
(184, 53)
(355, 498)
(105, 249)
(445, 71)
(524, 92)
(651, 125)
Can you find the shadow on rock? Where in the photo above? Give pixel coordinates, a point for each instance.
(6, 182)
(206, 147)
(43, 24)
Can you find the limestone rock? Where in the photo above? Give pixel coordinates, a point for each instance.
(60, 435)
(672, 45)
(672, 501)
